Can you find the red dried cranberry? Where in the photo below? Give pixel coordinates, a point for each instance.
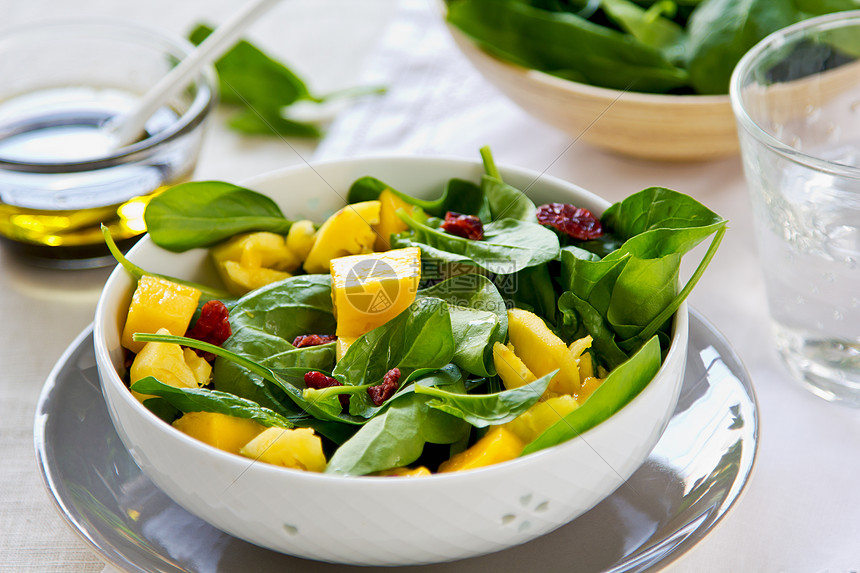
(466, 226)
(318, 381)
(213, 326)
(382, 392)
(573, 221)
(306, 340)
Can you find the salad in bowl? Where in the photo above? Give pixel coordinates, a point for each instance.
(389, 341)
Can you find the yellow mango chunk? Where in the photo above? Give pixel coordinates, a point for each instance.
(159, 303)
(369, 290)
(167, 363)
(224, 432)
(498, 445)
(300, 238)
(298, 448)
(510, 368)
(532, 423)
(589, 385)
(347, 232)
(240, 279)
(586, 367)
(201, 369)
(389, 222)
(542, 351)
(420, 471)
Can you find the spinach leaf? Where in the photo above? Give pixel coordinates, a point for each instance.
(622, 385)
(581, 318)
(722, 31)
(264, 323)
(482, 410)
(202, 213)
(505, 201)
(648, 26)
(396, 436)
(478, 319)
(458, 195)
(564, 44)
(508, 245)
(419, 337)
(534, 289)
(205, 400)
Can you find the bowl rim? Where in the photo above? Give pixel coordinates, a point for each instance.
(131, 32)
(680, 322)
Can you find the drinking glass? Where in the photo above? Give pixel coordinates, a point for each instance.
(796, 99)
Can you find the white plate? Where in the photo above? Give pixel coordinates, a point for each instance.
(692, 478)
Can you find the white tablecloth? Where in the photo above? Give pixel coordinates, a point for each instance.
(800, 510)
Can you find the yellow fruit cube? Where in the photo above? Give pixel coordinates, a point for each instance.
(542, 351)
(589, 385)
(369, 290)
(532, 423)
(420, 471)
(165, 362)
(389, 222)
(201, 369)
(241, 279)
(300, 238)
(298, 448)
(510, 368)
(347, 232)
(224, 432)
(498, 445)
(159, 303)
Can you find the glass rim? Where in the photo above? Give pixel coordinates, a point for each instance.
(779, 38)
(172, 45)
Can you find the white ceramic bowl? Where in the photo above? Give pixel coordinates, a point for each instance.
(374, 520)
(649, 126)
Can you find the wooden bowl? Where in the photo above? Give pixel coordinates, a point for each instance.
(650, 126)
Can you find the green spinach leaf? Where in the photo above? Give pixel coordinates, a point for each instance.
(482, 410)
(202, 213)
(205, 400)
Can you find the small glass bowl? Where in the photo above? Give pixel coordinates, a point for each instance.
(58, 180)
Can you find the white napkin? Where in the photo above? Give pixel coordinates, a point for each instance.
(436, 103)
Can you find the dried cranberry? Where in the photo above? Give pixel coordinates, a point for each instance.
(318, 381)
(306, 340)
(573, 221)
(466, 226)
(382, 392)
(213, 326)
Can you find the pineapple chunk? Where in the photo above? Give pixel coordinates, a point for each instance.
(167, 363)
(300, 238)
(369, 290)
(159, 303)
(240, 279)
(389, 222)
(420, 471)
(297, 448)
(532, 423)
(224, 432)
(347, 232)
(252, 260)
(542, 351)
(510, 367)
(498, 445)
